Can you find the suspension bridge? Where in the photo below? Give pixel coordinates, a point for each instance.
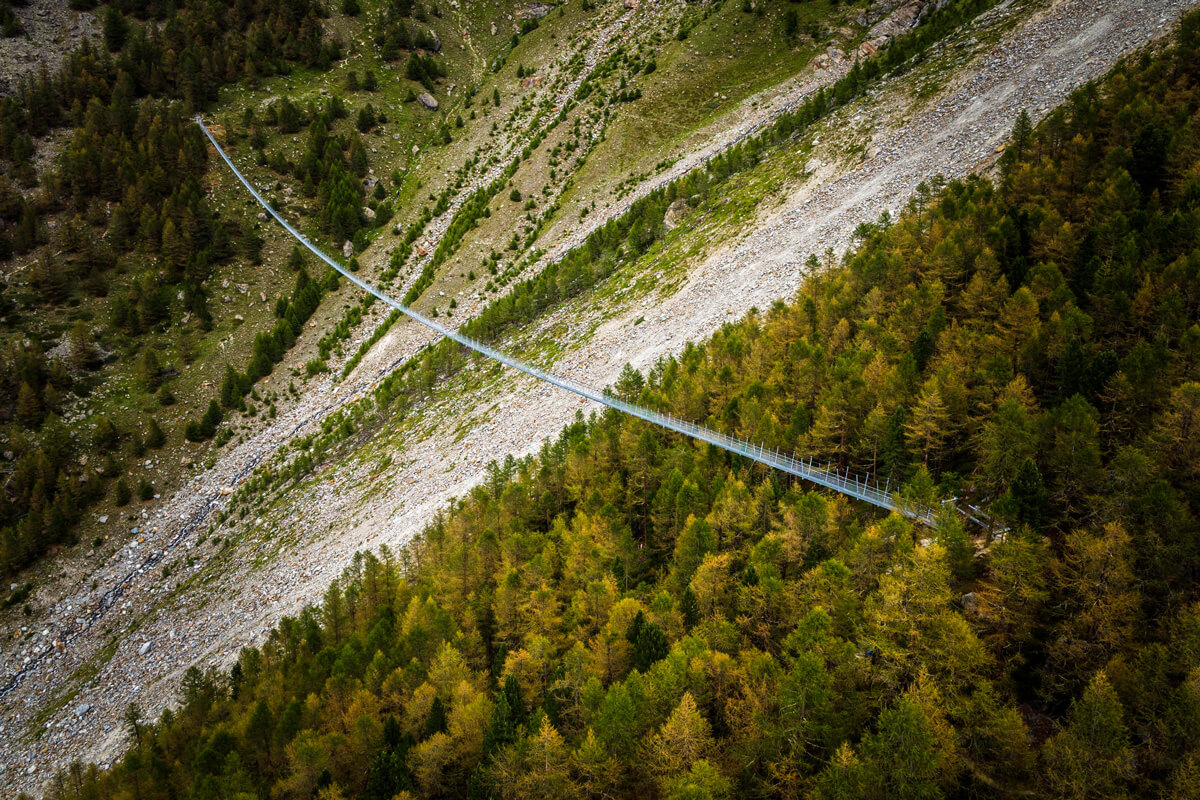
(861, 488)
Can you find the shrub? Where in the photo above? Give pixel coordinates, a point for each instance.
(123, 495)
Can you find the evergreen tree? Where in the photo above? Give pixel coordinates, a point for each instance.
(1091, 757)
(123, 495)
(1029, 494)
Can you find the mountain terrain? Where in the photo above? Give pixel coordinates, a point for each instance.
(206, 430)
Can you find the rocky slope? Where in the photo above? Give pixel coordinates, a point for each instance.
(51, 30)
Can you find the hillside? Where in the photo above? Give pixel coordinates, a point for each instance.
(630, 614)
(297, 423)
(107, 318)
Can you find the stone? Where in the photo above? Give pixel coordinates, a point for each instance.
(429, 101)
(347, 249)
(534, 11)
(145, 648)
(368, 213)
(674, 214)
(83, 709)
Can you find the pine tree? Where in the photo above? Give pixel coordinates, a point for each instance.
(1029, 495)
(123, 494)
(435, 721)
(115, 29)
(1092, 756)
(894, 458)
(151, 369)
(684, 738)
(928, 428)
(1019, 140)
(29, 406)
(649, 646)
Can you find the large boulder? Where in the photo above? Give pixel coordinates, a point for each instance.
(674, 215)
(534, 11)
(830, 58)
(429, 101)
(894, 19)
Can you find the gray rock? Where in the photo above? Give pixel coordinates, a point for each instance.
(534, 11)
(145, 648)
(675, 214)
(429, 101)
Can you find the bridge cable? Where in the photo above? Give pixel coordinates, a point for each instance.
(843, 482)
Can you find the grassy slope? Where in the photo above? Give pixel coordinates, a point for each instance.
(118, 391)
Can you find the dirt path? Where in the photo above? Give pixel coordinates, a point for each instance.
(1035, 67)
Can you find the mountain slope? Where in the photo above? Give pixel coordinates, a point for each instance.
(422, 469)
(633, 614)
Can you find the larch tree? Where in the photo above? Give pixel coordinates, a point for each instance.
(1091, 757)
(684, 738)
(928, 426)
